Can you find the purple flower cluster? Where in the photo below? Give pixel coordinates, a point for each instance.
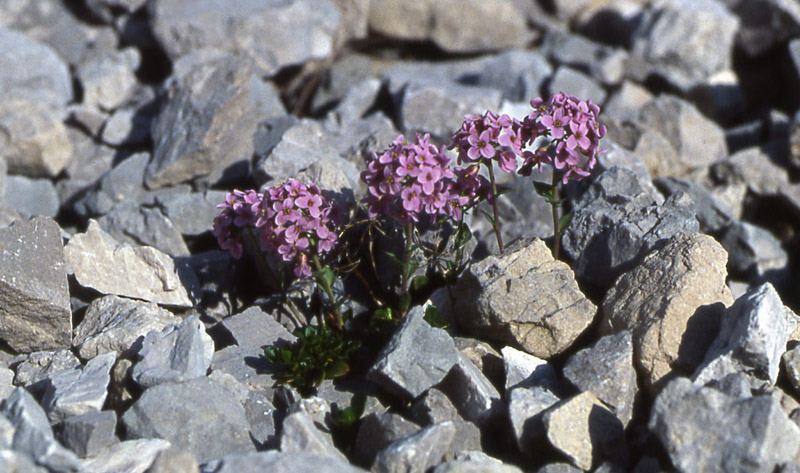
(294, 219)
(409, 179)
(570, 123)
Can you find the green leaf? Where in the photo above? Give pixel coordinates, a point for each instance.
(419, 282)
(432, 317)
(463, 236)
(501, 189)
(544, 189)
(384, 313)
(337, 368)
(564, 222)
(325, 277)
(489, 217)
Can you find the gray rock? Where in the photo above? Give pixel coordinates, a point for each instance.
(615, 223)
(100, 262)
(130, 456)
(585, 431)
(378, 431)
(753, 335)
(247, 28)
(525, 408)
(476, 462)
(576, 83)
(616, 155)
(109, 81)
(117, 324)
(33, 71)
(129, 222)
(19, 190)
(247, 366)
(88, 434)
(712, 215)
(285, 147)
(471, 392)
(495, 297)
(197, 415)
(417, 357)
(517, 73)
(279, 462)
(438, 108)
(722, 98)
(488, 360)
(123, 183)
(39, 365)
(191, 214)
(754, 253)
(174, 460)
(686, 42)
(625, 102)
(35, 140)
(756, 168)
(177, 353)
(34, 297)
(606, 370)
(253, 328)
(558, 468)
(494, 25)
(300, 434)
(79, 391)
(261, 415)
(602, 62)
(6, 383)
(417, 452)
(791, 366)
(127, 127)
(434, 407)
(526, 371)
(205, 130)
(703, 429)
(671, 304)
(33, 435)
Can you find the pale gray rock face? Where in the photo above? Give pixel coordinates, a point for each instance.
(754, 254)
(417, 452)
(279, 462)
(616, 223)
(301, 435)
(603, 63)
(89, 434)
(205, 130)
(671, 304)
(576, 83)
(79, 391)
(177, 353)
(197, 415)
(756, 168)
(791, 365)
(121, 183)
(33, 71)
(685, 42)
(703, 429)
(191, 213)
(34, 298)
(752, 337)
(130, 456)
(35, 140)
(525, 408)
(378, 431)
(416, 358)
(174, 460)
(266, 33)
(109, 81)
(585, 431)
(100, 262)
(524, 370)
(129, 222)
(476, 463)
(39, 365)
(18, 196)
(471, 392)
(500, 299)
(712, 215)
(253, 328)
(113, 323)
(606, 370)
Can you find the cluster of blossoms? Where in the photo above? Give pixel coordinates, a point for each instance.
(295, 221)
(409, 179)
(569, 124)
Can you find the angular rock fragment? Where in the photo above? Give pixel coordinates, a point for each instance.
(19, 190)
(417, 357)
(417, 452)
(301, 435)
(173, 460)
(471, 392)
(35, 140)
(129, 222)
(192, 213)
(197, 415)
(99, 262)
(576, 83)
(121, 183)
(523, 297)
(378, 431)
(752, 337)
(177, 353)
(113, 323)
(34, 298)
(80, 391)
(526, 371)
(253, 329)
(279, 462)
(39, 365)
(703, 429)
(133, 456)
(109, 81)
(754, 254)
(475, 462)
(88, 434)
(525, 408)
(712, 215)
(606, 370)
(671, 304)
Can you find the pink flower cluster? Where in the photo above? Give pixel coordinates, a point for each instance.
(570, 123)
(294, 219)
(409, 179)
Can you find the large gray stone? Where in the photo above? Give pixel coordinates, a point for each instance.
(378, 431)
(471, 392)
(130, 456)
(705, 430)
(35, 140)
(197, 415)
(100, 262)
(79, 391)
(301, 435)
(109, 81)
(129, 222)
(39, 365)
(602, 62)
(89, 434)
(279, 462)
(712, 215)
(524, 370)
(417, 452)
(576, 83)
(19, 190)
(253, 328)
(192, 213)
(616, 222)
(754, 254)
(752, 337)
(671, 304)
(117, 324)
(498, 298)
(124, 182)
(177, 353)
(416, 358)
(606, 370)
(525, 409)
(34, 298)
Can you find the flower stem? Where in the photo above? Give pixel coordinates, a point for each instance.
(496, 222)
(409, 233)
(326, 287)
(555, 204)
